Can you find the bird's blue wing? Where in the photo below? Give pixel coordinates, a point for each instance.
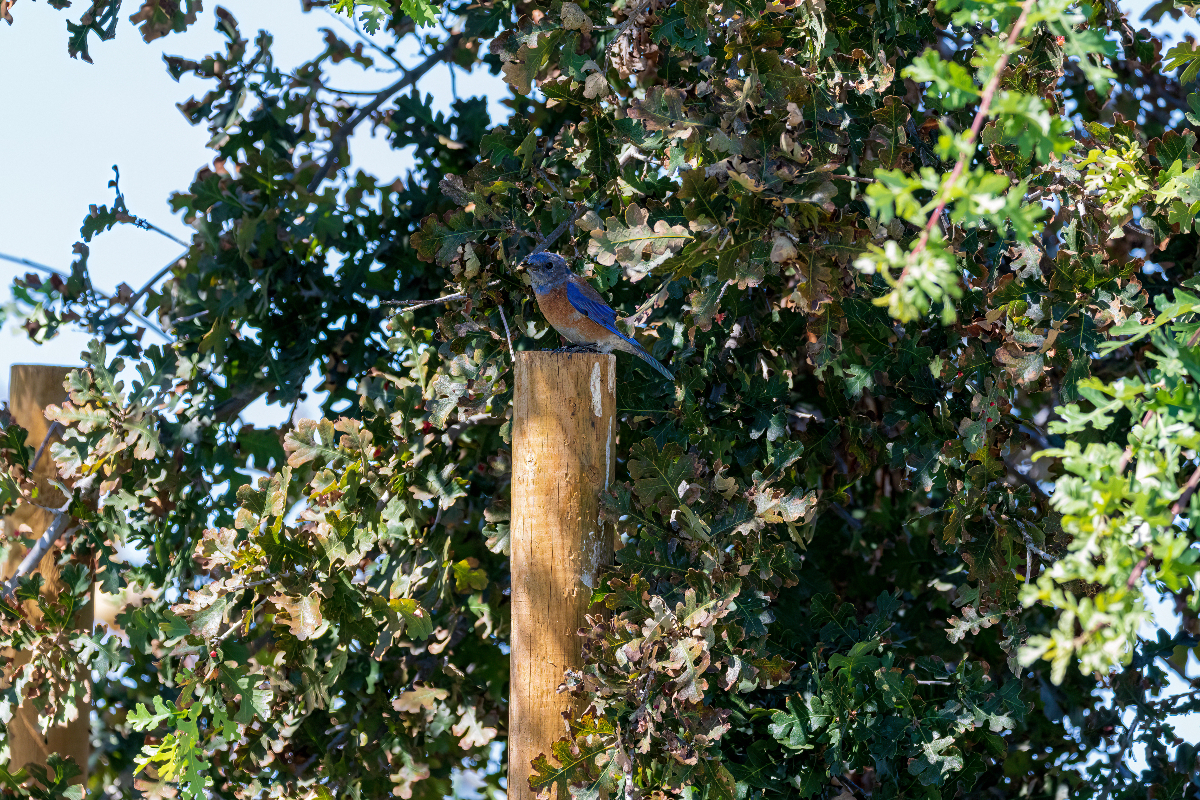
(598, 311)
(595, 310)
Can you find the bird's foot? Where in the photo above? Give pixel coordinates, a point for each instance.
(577, 348)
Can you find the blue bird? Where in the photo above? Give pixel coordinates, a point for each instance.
(578, 312)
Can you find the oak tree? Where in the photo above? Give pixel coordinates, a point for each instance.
(925, 273)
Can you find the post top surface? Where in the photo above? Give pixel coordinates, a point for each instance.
(46, 366)
(550, 354)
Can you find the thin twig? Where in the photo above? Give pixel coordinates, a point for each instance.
(507, 334)
(985, 102)
(1133, 227)
(25, 262)
(1181, 504)
(1028, 481)
(852, 179)
(140, 293)
(854, 788)
(322, 88)
(845, 515)
(411, 77)
(413, 305)
(55, 427)
(175, 323)
(1117, 758)
(563, 227)
(1029, 543)
(249, 613)
(623, 28)
(42, 546)
(1138, 569)
(334, 742)
(263, 582)
(367, 40)
(146, 224)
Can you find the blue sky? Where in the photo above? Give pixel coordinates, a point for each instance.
(66, 123)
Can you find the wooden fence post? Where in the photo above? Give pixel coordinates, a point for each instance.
(31, 388)
(564, 422)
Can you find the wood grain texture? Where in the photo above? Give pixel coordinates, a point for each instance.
(564, 424)
(32, 387)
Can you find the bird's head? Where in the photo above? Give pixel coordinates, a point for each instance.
(547, 270)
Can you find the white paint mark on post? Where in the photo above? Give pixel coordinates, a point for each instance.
(597, 401)
(608, 452)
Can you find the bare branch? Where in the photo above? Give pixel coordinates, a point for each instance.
(580, 210)
(411, 77)
(1029, 543)
(334, 742)
(1127, 456)
(413, 305)
(55, 427)
(507, 334)
(845, 515)
(367, 40)
(42, 546)
(249, 613)
(852, 179)
(133, 301)
(180, 320)
(146, 224)
(1025, 479)
(1117, 758)
(25, 262)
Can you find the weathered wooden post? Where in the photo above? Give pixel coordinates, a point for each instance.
(31, 388)
(564, 422)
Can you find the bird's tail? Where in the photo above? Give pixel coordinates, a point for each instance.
(652, 361)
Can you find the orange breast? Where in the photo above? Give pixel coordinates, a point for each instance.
(574, 327)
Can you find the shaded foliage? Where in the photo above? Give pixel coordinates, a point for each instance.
(892, 252)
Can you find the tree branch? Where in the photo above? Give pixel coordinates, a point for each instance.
(42, 546)
(55, 427)
(1138, 569)
(851, 179)
(564, 226)
(985, 102)
(413, 305)
(1189, 488)
(634, 14)
(507, 334)
(1117, 758)
(133, 301)
(145, 224)
(1030, 544)
(845, 515)
(411, 77)
(25, 262)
